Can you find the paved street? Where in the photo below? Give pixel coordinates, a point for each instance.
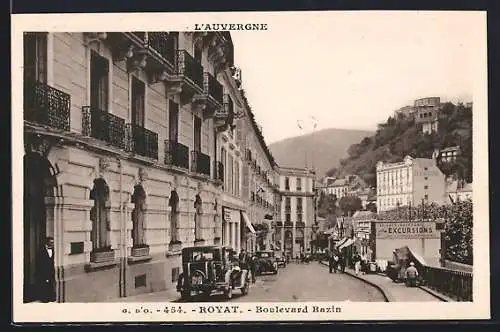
(309, 282)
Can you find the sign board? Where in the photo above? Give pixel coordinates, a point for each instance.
(406, 230)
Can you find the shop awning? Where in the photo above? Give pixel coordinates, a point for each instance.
(347, 243)
(247, 222)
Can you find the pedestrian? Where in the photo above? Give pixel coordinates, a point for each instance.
(253, 267)
(356, 259)
(342, 261)
(411, 275)
(45, 272)
(333, 262)
(243, 259)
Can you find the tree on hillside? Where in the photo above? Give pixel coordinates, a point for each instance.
(350, 204)
(371, 207)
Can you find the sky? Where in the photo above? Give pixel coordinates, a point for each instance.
(352, 70)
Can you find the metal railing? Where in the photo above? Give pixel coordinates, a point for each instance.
(200, 163)
(144, 141)
(455, 284)
(159, 41)
(104, 126)
(176, 154)
(46, 105)
(212, 87)
(187, 66)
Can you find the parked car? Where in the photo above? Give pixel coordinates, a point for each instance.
(280, 258)
(208, 270)
(266, 262)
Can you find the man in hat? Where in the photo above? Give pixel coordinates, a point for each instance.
(411, 274)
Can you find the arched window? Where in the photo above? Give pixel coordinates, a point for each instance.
(138, 215)
(174, 216)
(99, 215)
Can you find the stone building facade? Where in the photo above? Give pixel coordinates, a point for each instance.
(297, 210)
(409, 183)
(123, 134)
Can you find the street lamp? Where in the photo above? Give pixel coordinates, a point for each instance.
(315, 228)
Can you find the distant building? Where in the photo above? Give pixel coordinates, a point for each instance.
(405, 111)
(428, 118)
(448, 154)
(347, 186)
(409, 182)
(428, 102)
(296, 186)
(458, 191)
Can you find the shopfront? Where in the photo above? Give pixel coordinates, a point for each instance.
(422, 237)
(231, 228)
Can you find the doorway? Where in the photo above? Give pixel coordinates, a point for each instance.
(36, 174)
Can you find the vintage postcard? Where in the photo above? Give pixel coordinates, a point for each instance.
(279, 166)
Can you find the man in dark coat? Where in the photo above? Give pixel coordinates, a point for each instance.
(333, 261)
(253, 267)
(45, 272)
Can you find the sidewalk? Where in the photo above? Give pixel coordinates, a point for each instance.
(163, 296)
(394, 292)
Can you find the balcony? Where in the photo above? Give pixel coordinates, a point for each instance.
(187, 79)
(46, 105)
(151, 51)
(144, 142)
(200, 163)
(103, 126)
(212, 96)
(176, 154)
(300, 224)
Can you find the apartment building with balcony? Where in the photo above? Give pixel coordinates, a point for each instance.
(297, 210)
(259, 177)
(409, 183)
(231, 162)
(122, 136)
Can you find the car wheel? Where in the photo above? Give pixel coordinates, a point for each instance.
(229, 293)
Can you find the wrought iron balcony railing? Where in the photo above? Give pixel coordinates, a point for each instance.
(300, 224)
(288, 224)
(188, 67)
(159, 41)
(200, 163)
(213, 88)
(103, 126)
(176, 154)
(144, 142)
(46, 105)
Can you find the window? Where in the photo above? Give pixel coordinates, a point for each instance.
(138, 214)
(425, 168)
(223, 161)
(287, 183)
(299, 184)
(287, 217)
(237, 178)
(99, 214)
(99, 79)
(35, 57)
(426, 197)
(426, 187)
(230, 169)
(426, 178)
(173, 120)
(138, 101)
(197, 134)
(287, 204)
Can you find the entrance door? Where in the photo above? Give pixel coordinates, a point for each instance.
(34, 220)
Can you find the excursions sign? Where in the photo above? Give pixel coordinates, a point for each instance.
(406, 230)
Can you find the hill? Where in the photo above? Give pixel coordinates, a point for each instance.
(327, 146)
(398, 137)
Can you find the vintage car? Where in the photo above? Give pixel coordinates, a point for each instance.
(266, 262)
(280, 258)
(209, 270)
